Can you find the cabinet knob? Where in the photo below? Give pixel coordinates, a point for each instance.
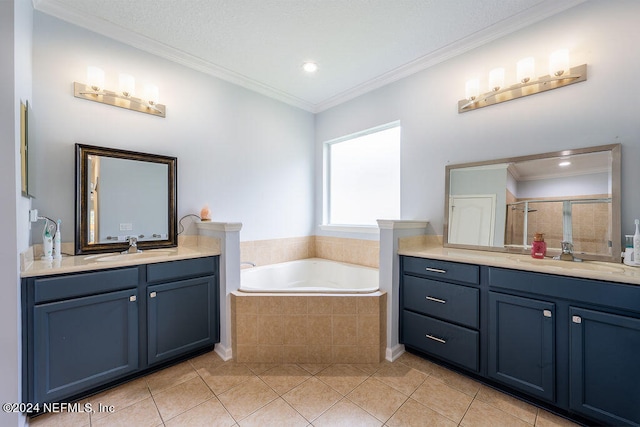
(132, 298)
(576, 319)
(152, 295)
(546, 313)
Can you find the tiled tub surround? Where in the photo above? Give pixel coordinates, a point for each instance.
(311, 328)
(273, 251)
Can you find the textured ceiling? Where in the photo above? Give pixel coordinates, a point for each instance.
(261, 44)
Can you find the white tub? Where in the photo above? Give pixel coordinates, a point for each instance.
(313, 275)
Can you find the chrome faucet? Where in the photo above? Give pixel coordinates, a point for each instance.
(567, 253)
(133, 246)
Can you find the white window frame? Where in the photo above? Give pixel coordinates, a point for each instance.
(326, 182)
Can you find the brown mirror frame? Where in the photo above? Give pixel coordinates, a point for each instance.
(82, 245)
(616, 233)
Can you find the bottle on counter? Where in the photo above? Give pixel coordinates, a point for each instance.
(636, 243)
(539, 246)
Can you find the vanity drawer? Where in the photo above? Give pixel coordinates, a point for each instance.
(83, 284)
(446, 301)
(451, 343)
(466, 273)
(183, 269)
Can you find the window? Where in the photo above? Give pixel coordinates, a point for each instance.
(363, 177)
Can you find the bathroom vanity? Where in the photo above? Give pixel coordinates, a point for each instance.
(87, 325)
(564, 335)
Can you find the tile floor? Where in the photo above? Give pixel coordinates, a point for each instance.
(205, 391)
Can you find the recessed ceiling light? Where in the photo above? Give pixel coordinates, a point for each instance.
(564, 164)
(310, 67)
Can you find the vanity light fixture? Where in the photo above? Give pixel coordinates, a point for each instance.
(560, 75)
(124, 97)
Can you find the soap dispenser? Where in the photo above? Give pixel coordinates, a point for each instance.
(636, 244)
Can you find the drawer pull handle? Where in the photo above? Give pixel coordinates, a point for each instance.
(441, 301)
(440, 340)
(436, 270)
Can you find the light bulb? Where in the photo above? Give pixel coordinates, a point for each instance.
(559, 62)
(472, 89)
(526, 70)
(496, 79)
(151, 93)
(95, 78)
(127, 84)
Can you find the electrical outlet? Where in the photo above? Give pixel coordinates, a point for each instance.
(33, 215)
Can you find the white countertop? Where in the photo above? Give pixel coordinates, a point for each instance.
(606, 271)
(195, 247)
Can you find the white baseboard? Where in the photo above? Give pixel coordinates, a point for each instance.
(224, 353)
(394, 352)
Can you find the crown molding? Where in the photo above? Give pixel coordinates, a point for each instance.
(487, 35)
(115, 32)
(452, 50)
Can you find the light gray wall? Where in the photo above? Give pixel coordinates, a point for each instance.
(249, 157)
(15, 86)
(602, 110)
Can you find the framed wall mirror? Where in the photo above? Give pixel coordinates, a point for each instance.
(569, 196)
(122, 194)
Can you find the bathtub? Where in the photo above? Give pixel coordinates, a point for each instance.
(309, 311)
(313, 275)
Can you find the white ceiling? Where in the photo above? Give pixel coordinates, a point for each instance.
(359, 45)
(547, 168)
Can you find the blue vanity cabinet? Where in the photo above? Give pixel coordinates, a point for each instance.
(182, 315)
(605, 366)
(82, 331)
(439, 310)
(522, 344)
(567, 343)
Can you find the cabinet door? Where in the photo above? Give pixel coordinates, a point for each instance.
(605, 366)
(182, 317)
(522, 344)
(84, 342)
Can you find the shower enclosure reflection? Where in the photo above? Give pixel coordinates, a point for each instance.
(499, 205)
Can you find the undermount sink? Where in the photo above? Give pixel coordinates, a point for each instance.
(136, 256)
(572, 265)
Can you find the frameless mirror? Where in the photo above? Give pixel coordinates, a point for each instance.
(122, 194)
(569, 196)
